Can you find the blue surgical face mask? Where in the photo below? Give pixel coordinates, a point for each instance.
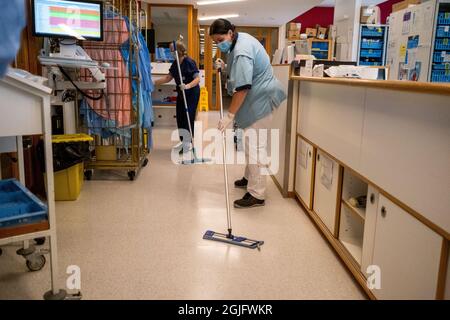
(224, 46)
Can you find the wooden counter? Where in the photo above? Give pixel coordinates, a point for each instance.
(389, 141)
(424, 87)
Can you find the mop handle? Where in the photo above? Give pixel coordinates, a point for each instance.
(224, 151)
(184, 93)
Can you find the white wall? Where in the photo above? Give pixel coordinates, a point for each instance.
(346, 19)
(282, 36)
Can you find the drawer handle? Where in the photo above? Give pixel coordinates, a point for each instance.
(372, 198)
(310, 154)
(318, 157)
(383, 212)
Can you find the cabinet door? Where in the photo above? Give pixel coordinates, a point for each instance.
(165, 116)
(304, 171)
(326, 189)
(369, 228)
(407, 252)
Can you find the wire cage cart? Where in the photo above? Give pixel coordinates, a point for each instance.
(120, 119)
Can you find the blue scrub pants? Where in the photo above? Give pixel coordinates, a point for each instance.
(192, 97)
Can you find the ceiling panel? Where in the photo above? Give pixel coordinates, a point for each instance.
(252, 12)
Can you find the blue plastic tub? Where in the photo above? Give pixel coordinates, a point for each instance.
(444, 18)
(369, 63)
(320, 45)
(443, 31)
(438, 57)
(372, 32)
(441, 66)
(371, 44)
(440, 76)
(320, 55)
(443, 44)
(18, 205)
(371, 53)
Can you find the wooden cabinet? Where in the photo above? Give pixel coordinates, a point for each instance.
(447, 281)
(304, 170)
(165, 116)
(326, 189)
(407, 252)
(163, 97)
(321, 49)
(353, 214)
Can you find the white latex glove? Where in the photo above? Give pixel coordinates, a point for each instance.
(225, 122)
(219, 64)
(184, 87)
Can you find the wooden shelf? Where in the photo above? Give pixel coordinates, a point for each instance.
(24, 229)
(341, 250)
(166, 84)
(354, 247)
(164, 105)
(359, 212)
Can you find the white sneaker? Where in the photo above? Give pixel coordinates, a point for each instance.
(178, 146)
(185, 148)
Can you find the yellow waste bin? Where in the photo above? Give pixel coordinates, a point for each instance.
(68, 182)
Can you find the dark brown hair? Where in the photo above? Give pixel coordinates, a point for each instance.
(221, 26)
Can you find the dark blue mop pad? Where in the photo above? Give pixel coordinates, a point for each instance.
(238, 241)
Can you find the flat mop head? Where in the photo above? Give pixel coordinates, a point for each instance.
(195, 159)
(238, 241)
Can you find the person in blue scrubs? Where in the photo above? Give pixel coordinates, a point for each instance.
(191, 80)
(256, 93)
(12, 22)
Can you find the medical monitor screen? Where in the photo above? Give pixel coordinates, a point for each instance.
(82, 20)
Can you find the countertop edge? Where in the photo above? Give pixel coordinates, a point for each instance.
(423, 87)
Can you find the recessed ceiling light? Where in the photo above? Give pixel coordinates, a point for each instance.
(209, 2)
(225, 16)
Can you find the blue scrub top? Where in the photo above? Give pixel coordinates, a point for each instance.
(189, 71)
(249, 68)
(12, 21)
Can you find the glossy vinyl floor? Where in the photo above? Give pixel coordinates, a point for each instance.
(143, 240)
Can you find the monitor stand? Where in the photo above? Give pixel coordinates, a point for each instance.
(68, 49)
(74, 57)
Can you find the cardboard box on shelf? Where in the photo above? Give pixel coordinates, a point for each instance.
(294, 34)
(292, 26)
(370, 15)
(321, 33)
(404, 4)
(311, 32)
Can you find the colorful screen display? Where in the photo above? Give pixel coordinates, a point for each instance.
(73, 19)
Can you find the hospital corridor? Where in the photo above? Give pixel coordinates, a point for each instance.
(225, 159)
(144, 240)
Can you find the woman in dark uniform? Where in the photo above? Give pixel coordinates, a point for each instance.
(191, 80)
